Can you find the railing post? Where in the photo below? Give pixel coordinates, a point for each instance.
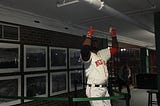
(70, 101)
(127, 97)
(75, 90)
(158, 98)
(110, 91)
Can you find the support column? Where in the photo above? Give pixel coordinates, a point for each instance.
(143, 54)
(157, 40)
(147, 62)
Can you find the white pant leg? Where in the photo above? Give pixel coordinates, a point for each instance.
(98, 92)
(107, 102)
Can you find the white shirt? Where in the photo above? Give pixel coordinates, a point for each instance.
(96, 67)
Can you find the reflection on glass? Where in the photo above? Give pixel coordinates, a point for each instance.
(75, 60)
(36, 85)
(35, 57)
(8, 87)
(8, 58)
(58, 82)
(76, 78)
(58, 57)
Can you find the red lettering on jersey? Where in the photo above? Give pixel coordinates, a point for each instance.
(100, 62)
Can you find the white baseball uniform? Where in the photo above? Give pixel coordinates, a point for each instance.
(97, 74)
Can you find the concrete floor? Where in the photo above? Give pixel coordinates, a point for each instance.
(139, 97)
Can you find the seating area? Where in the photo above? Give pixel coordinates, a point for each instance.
(150, 97)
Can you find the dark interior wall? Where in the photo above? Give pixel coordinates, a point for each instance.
(36, 36)
(143, 60)
(41, 37)
(30, 35)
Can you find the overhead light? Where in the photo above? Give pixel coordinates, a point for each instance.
(97, 3)
(65, 3)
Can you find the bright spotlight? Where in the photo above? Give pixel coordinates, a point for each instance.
(97, 3)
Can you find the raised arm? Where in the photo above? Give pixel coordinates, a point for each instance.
(114, 48)
(85, 50)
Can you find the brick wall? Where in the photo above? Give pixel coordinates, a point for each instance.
(36, 36)
(41, 37)
(30, 35)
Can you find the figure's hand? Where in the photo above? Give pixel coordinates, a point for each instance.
(112, 32)
(90, 32)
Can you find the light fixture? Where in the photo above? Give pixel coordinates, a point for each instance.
(65, 3)
(96, 3)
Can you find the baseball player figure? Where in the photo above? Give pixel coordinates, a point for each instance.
(96, 67)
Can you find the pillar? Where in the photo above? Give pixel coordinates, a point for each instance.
(157, 40)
